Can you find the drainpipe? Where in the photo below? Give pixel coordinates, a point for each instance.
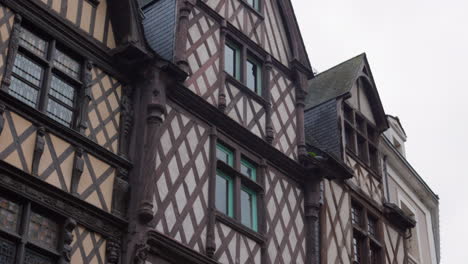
(385, 173)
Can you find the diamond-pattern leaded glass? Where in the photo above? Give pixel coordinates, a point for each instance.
(28, 69)
(7, 252)
(23, 91)
(43, 230)
(33, 43)
(9, 215)
(67, 64)
(31, 257)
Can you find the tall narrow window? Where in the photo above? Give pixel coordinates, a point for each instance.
(366, 244)
(254, 76)
(232, 60)
(224, 194)
(249, 208)
(357, 249)
(41, 71)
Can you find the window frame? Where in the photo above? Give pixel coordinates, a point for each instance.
(242, 182)
(20, 237)
(49, 70)
(361, 231)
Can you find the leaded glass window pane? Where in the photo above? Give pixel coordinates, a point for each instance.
(61, 94)
(62, 91)
(67, 64)
(33, 43)
(356, 215)
(9, 215)
(43, 230)
(23, 91)
(59, 112)
(31, 257)
(372, 223)
(357, 249)
(28, 70)
(7, 252)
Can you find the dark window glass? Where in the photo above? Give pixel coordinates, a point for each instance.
(348, 113)
(223, 194)
(374, 157)
(362, 148)
(231, 61)
(31, 257)
(43, 230)
(67, 64)
(7, 252)
(374, 254)
(350, 137)
(9, 215)
(357, 249)
(246, 208)
(253, 76)
(372, 223)
(33, 43)
(356, 215)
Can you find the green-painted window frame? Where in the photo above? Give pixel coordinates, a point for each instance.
(237, 59)
(255, 4)
(252, 167)
(258, 84)
(254, 212)
(230, 194)
(227, 151)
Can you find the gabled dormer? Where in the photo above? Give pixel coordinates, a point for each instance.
(344, 112)
(396, 134)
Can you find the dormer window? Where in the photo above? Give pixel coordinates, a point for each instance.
(360, 137)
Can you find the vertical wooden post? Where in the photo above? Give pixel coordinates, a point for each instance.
(210, 236)
(222, 76)
(2, 118)
(262, 228)
(67, 239)
(301, 83)
(126, 121)
(185, 8)
(12, 50)
(267, 94)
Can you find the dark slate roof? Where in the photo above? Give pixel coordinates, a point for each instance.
(334, 82)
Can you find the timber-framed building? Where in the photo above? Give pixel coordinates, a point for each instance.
(185, 131)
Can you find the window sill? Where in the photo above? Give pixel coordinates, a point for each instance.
(245, 90)
(238, 227)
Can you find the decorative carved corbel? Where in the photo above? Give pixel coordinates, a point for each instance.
(12, 50)
(38, 150)
(120, 194)
(65, 257)
(126, 120)
(87, 79)
(78, 166)
(141, 253)
(2, 118)
(113, 251)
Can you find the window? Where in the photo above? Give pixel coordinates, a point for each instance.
(24, 228)
(360, 137)
(236, 186)
(366, 243)
(255, 4)
(46, 77)
(247, 70)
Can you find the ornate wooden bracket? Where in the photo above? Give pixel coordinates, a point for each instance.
(127, 113)
(83, 114)
(141, 253)
(38, 150)
(113, 251)
(12, 50)
(2, 118)
(70, 225)
(78, 166)
(222, 81)
(120, 194)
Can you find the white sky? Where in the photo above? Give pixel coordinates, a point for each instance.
(418, 53)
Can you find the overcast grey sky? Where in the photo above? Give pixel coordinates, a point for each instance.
(418, 54)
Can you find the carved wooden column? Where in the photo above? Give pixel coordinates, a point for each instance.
(12, 50)
(301, 84)
(69, 226)
(210, 236)
(126, 121)
(113, 251)
(312, 214)
(2, 118)
(154, 117)
(78, 167)
(38, 150)
(86, 97)
(222, 76)
(120, 194)
(262, 211)
(185, 7)
(267, 90)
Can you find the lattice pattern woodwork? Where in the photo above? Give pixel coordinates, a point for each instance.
(285, 219)
(182, 172)
(203, 52)
(365, 181)
(336, 229)
(394, 246)
(283, 115)
(17, 141)
(88, 247)
(6, 25)
(269, 33)
(104, 110)
(245, 110)
(232, 247)
(93, 20)
(56, 164)
(96, 182)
